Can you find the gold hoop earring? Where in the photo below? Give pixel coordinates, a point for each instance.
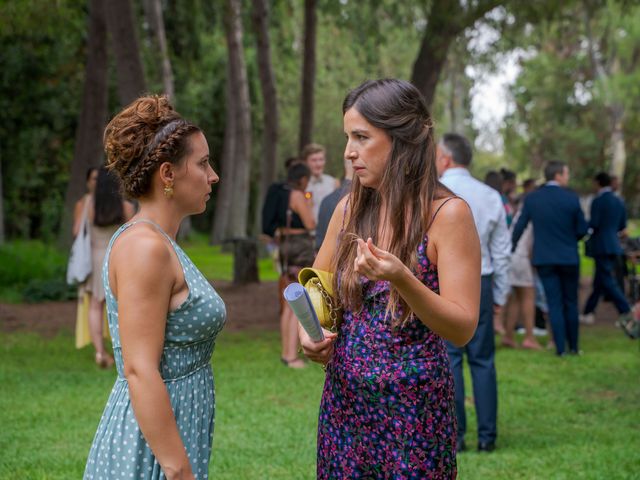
(168, 190)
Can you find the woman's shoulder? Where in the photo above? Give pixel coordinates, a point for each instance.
(141, 245)
(450, 214)
(82, 200)
(450, 208)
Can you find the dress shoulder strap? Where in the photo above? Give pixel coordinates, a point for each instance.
(126, 226)
(433, 217)
(157, 227)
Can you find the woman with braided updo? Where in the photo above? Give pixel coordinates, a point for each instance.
(163, 314)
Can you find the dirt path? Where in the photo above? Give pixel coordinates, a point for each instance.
(252, 307)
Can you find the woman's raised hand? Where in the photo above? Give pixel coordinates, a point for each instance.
(377, 264)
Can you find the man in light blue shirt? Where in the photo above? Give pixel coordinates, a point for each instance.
(452, 161)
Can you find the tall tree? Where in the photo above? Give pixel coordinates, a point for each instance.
(446, 20)
(308, 73)
(153, 12)
(155, 19)
(224, 198)
(240, 91)
(88, 149)
(1, 207)
(122, 32)
(237, 149)
(614, 54)
(270, 118)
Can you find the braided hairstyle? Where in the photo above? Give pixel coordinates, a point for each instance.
(145, 134)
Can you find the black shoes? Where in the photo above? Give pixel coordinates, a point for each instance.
(486, 446)
(461, 447)
(482, 446)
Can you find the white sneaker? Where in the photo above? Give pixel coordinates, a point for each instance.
(587, 319)
(539, 332)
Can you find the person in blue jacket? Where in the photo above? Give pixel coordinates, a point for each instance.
(558, 224)
(608, 220)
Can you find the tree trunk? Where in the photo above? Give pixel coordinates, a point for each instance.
(1, 207)
(237, 226)
(124, 42)
(245, 261)
(88, 149)
(447, 20)
(155, 18)
(224, 197)
(429, 63)
(617, 146)
(270, 104)
(153, 10)
(454, 100)
(308, 74)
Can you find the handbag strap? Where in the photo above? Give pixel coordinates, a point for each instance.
(84, 220)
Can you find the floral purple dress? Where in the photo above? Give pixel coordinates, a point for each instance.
(388, 405)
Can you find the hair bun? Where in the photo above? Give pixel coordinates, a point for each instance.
(136, 141)
(132, 130)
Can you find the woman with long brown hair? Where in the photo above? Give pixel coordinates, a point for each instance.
(406, 258)
(106, 210)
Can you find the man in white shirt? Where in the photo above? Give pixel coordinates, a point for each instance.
(453, 158)
(320, 184)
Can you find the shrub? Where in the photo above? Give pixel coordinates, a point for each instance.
(35, 269)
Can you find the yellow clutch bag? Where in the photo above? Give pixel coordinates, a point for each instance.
(319, 286)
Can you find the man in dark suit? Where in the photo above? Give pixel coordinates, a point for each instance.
(558, 224)
(608, 218)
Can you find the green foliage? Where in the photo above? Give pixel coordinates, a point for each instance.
(216, 264)
(562, 103)
(21, 262)
(559, 106)
(53, 289)
(41, 74)
(34, 272)
(558, 418)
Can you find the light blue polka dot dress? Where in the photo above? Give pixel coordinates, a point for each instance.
(119, 450)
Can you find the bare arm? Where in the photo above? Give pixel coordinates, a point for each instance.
(299, 204)
(500, 251)
(77, 215)
(454, 313)
(144, 288)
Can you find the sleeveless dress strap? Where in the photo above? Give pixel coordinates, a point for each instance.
(433, 217)
(124, 227)
(151, 222)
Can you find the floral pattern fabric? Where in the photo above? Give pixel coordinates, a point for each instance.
(387, 408)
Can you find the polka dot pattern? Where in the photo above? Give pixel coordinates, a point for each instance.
(119, 450)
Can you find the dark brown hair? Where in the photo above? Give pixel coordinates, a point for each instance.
(409, 185)
(145, 134)
(108, 209)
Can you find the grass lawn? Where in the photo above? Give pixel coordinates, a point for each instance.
(574, 418)
(218, 265)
